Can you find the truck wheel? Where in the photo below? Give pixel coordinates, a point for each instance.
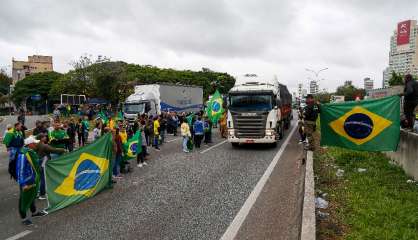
(235, 145)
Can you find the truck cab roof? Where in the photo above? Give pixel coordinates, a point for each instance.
(253, 83)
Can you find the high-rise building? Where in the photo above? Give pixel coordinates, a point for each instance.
(35, 64)
(403, 55)
(313, 87)
(300, 86)
(386, 77)
(348, 83)
(368, 84)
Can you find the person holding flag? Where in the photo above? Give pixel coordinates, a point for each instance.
(28, 178)
(14, 142)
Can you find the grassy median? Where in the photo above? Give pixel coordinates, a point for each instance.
(371, 199)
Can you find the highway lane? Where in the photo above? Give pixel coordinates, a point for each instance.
(178, 196)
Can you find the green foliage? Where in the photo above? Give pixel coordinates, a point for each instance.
(114, 81)
(323, 97)
(38, 83)
(5, 82)
(350, 92)
(396, 79)
(376, 204)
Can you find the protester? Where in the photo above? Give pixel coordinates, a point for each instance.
(208, 131)
(39, 128)
(79, 130)
(58, 138)
(410, 99)
(71, 131)
(302, 134)
(140, 156)
(148, 130)
(14, 141)
(123, 135)
(156, 132)
(118, 154)
(85, 126)
(21, 117)
(28, 178)
(185, 133)
(198, 131)
(310, 114)
(416, 123)
(44, 153)
(163, 127)
(56, 113)
(8, 127)
(97, 131)
(223, 127)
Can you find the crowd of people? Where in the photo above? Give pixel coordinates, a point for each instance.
(65, 133)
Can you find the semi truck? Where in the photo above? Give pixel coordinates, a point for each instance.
(259, 110)
(155, 98)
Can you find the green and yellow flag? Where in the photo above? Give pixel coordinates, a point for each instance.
(133, 146)
(79, 175)
(369, 125)
(214, 109)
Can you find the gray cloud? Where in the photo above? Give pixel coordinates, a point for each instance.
(267, 37)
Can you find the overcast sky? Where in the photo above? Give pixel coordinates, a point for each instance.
(267, 37)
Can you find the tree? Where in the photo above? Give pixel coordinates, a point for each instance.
(396, 79)
(350, 92)
(38, 83)
(323, 97)
(5, 82)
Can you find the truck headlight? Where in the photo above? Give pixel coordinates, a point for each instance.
(231, 133)
(270, 132)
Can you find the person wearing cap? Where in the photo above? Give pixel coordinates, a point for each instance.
(8, 127)
(310, 114)
(28, 178)
(44, 154)
(58, 137)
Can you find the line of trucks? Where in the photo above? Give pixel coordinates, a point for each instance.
(259, 109)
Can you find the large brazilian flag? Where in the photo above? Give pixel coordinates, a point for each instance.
(369, 125)
(79, 175)
(214, 109)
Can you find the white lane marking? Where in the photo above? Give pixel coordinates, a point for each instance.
(239, 219)
(214, 146)
(19, 235)
(172, 140)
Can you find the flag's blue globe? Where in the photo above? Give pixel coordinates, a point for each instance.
(358, 125)
(133, 147)
(216, 106)
(87, 175)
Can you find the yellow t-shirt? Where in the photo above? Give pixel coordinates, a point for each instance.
(112, 124)
(156, 126)
(124, 136)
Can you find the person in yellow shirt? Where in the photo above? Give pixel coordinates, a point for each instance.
(111, 123)
(123, 135)
(156, 132)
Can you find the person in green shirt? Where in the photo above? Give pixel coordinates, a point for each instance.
(58, 137)
(13, 140)
(85, 126)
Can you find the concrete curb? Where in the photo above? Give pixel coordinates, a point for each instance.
(308, 231)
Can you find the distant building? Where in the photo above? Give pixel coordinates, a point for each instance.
(386, 77)
(313, 87)
(348, 83)
(35, 64)
(300, 86)
(368, 84)
(403, 55)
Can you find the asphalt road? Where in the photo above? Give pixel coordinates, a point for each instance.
(179, 196)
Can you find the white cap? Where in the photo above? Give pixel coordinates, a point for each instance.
(31, 139)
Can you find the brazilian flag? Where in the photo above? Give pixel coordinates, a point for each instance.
(103, 116)
(133, 146)
(214, 109)
(369, 125)
(79, 175)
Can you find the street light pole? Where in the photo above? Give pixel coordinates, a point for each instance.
(316, 73)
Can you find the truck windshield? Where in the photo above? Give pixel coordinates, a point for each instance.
(251, 102)
(134, 108)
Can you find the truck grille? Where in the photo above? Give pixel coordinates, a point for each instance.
(249, 126)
